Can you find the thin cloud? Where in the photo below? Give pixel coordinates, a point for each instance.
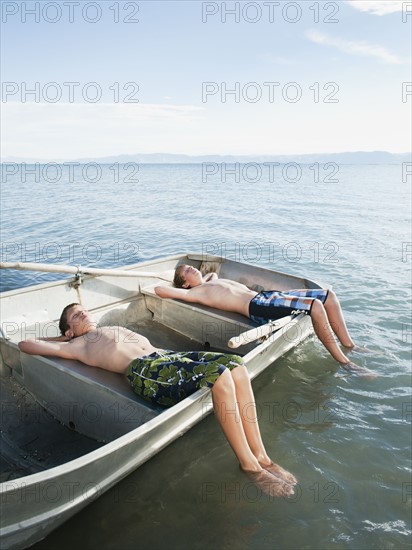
(32, 128)
(377, 7)
(354, 47)
(80, 114)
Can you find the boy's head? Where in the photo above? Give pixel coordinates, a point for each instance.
(179, 279)
(75, 321)
(187, 276)
(63, 324)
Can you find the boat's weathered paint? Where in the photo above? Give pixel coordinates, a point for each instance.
(34, 505)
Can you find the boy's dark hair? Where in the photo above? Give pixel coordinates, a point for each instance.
(178, 280)
(63, 325)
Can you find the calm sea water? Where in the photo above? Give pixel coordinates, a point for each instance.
(347, 440)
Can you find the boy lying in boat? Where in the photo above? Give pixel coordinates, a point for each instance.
(166, 377)
(322, 305)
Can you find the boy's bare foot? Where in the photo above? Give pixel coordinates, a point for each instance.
(278, 471)
(269, 484)
(359, 371)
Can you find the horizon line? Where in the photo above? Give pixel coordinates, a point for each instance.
(12, 158)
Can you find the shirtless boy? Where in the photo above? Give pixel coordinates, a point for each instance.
(166, 377)
(322, 305)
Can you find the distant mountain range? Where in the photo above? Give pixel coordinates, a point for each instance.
(355, 157)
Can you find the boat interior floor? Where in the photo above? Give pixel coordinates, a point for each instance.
(31, 439)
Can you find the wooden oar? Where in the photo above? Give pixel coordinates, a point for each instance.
(53, 268)
(260, 332)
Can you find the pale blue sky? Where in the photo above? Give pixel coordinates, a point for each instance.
(363, 59)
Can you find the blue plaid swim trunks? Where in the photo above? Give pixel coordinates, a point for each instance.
(274, 304)
(167, 377)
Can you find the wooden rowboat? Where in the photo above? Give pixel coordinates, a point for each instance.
(70, 432)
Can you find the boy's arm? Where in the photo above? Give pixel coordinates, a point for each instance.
(62, 349)
(172, 292)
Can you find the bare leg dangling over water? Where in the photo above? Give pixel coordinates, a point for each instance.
(235, 409)
(328, 321)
